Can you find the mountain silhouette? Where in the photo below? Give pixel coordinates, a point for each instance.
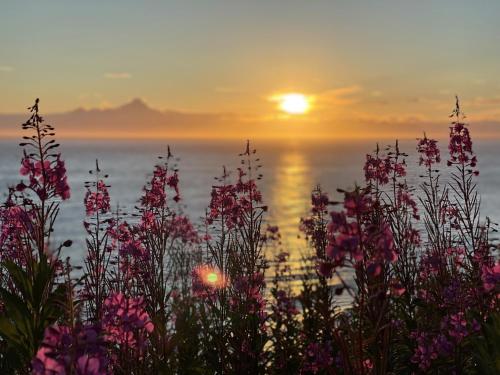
(132, 119)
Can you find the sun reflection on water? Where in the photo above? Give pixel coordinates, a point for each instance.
(290, 200)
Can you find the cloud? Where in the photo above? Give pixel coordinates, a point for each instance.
(340, 96)
(6, 68)
(118, 75)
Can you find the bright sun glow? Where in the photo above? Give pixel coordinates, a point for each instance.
(294, 103)
(212, 277)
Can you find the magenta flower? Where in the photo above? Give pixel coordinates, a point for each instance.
(47, 179)
(377, 169)
(456, 326)
(460, 146)
(125, 321)
(155, 194)
(429, 152)
(354, 237)
(98, 200)
(490, 276)
(71, 351)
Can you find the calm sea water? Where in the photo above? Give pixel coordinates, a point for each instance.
(291, 170)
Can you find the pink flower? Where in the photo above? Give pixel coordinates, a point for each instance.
(377, 169)
(354, 236)
(460, 146)
(320, 202)
(456, 326)
(429, 152)
(490, 276)
(98, 200)
(77, 351)
(125, 321)
(155, 194)
(47, 179)
(134, 249)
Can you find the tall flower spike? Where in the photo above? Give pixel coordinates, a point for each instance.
(44, 167)
(460, 146)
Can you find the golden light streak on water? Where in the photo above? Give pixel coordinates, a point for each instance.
(290, 200)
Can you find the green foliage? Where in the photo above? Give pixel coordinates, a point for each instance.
(32, 303)
(487, 347)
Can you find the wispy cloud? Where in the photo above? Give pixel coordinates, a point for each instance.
(6, 68)
(117, 75)
(340, 96)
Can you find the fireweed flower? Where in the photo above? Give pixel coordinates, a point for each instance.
(490, 276)
(155, 194)
(272, 234)
(134, 249)
(98, 200)
(48, 178)
(404, 199)
(224, 205)
(428, 152)
(456, 326)
(80, 350)
(15, 221)
(126, 322)
(230, 202)
(320, 202)
(460, 145)
(377, 169)
(181, 228)
(429, 348)
(354, 237)
(249, 289)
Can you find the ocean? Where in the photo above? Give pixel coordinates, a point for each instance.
(291, 170)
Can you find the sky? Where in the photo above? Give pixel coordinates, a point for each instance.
(369, 62)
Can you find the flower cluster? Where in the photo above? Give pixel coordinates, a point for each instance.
(65, 350)
(14, 220)
(98, 200)
(47, 178)
(155, 195)
(377, 169)
(380, 169)
(460, 145)
(490, 276)
(353, 236)
(429, 348)
(428, 150)
(125, 321)
(230, 202)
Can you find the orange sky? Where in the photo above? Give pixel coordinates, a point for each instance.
(371, 67)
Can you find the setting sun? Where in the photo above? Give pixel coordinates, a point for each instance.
(293, 103)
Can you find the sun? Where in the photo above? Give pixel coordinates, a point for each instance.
(293, 103)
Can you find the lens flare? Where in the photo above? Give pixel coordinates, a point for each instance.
(210, 277)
